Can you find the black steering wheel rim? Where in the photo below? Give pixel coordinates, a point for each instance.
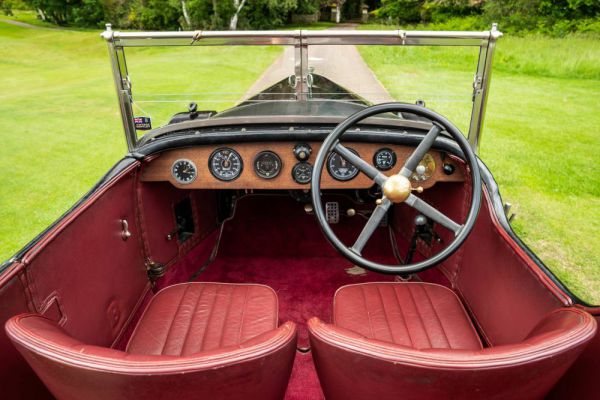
(471, 159)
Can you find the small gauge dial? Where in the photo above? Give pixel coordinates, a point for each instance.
(341, 169)
(267, 165)
(225, 164)
(184, 171)
(302, 172)
(425, 168)
(384, 159)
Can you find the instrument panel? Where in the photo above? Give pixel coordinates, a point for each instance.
(288, 165)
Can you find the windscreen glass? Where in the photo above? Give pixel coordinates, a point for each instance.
(166, 81)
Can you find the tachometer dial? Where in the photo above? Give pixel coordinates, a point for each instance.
(341, 169)
(384, 159)
(302, 172)
(184, 171)
(267, 165)
(225, 164)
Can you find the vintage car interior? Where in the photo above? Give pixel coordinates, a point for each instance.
(300, 250)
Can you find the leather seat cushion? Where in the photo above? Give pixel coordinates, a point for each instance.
(185, 319)
(417, 315)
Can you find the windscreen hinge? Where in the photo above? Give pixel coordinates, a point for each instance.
(477, 85)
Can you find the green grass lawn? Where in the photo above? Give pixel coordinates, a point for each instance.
(60, 128)
(541, 138)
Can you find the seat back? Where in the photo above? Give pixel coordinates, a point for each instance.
(352, 366)
(258, 368)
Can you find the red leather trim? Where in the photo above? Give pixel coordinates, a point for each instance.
(10, 272)
(507, 355)
(594, 310)
(116, 362)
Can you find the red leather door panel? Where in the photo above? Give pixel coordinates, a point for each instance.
(495, 281)
(82, 274)
(86, 267)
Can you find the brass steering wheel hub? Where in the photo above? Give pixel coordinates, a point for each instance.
(397, 188)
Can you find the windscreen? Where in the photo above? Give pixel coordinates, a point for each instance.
(169, 81)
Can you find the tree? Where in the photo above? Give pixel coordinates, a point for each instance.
(400, 10)
(6, 7)
(338, 14)
(238, 5)
(56, 11)
(186, 16)
(159, 14)
(266, 14)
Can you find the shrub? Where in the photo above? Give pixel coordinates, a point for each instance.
(307, 6)
(6, 7)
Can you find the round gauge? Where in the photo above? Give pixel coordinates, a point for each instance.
(384, 159)
(184, 171)
(425, 169)
(267, 165)
(225, 164)
(302, 172)
(341, 169)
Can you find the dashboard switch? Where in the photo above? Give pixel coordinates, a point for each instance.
(302, 151)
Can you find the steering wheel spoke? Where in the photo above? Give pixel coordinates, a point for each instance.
(415, 158)
(396, 188)
(361, 164)
(371, 225)
(429, 211)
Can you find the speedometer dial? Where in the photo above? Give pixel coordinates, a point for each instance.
(339, 168)
(184, 171)
(384, 159)
(225, 164)
(267, 165)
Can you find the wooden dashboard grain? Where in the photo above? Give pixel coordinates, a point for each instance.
(159, 169)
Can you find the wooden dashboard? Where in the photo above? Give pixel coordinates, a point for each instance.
(160, 168)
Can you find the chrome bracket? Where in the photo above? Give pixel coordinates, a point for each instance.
(402, 35)
(125, 232)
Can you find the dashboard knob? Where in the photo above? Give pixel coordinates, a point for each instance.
(302, 151)
(421, 169)
(420, 220)
(448, 169)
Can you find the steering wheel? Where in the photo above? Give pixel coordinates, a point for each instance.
(396, 188)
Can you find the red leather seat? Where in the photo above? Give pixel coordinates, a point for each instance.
(195, 340)
(421, 316)
(416, 341)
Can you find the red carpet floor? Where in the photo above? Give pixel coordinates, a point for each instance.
(305, 287)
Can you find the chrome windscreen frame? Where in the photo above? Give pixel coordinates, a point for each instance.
(301, 40)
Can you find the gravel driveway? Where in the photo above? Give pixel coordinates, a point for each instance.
(341, 64)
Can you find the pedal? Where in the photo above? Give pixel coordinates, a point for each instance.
(332, 212)
(356, 271)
